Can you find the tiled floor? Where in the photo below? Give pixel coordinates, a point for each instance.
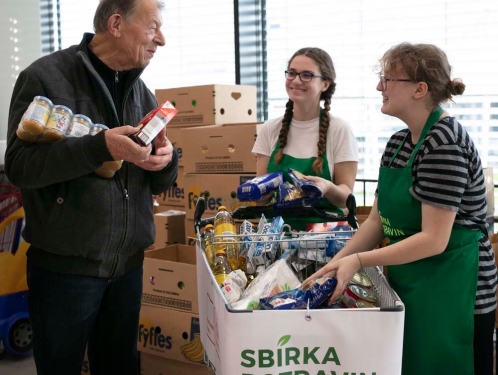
(12, 365)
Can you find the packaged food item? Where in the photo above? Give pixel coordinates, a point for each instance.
(58, 123)
(259, 187)
(221, 267)
(234, 285)
(354, 293)
(272, 280)
(153, 123)
(308, 187)
(289, 195)
(207, 243)
(25, 135)
(361, 279)
(97, 128)
(36, 116)
(226, 238)
(266, 247)
(80, 126)
(310, 295)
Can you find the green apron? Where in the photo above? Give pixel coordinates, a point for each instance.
(305, 167)
(438, 292)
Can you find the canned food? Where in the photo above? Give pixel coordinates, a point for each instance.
(354, 293)
(360, 304)
(57, 124)
(97, 128)
(37, 114)
(361, 279)
(79, 127)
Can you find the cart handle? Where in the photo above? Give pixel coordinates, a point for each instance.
(254, 212)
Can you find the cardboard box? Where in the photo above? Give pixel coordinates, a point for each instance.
(490, 190)
(169, 278)
(162, 208)
(175, 137)
(211, 104)
(221, 190)
(170, 334)
(174, 196)
(154, 365)
(220, 148)
(190, 235)
(170, 226)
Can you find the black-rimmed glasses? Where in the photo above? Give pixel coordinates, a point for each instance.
(303, 76)
(384, 80)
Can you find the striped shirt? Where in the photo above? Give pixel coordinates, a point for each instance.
(447, 173)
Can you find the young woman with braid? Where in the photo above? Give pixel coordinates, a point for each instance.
(308, 138)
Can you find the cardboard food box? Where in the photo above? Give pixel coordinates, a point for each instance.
(155, 365)
(211, 104)
(170, 226)
(175, 195)
(175, 137)
(221, 190)
(170, 334)
(220, 148)
(169, 278)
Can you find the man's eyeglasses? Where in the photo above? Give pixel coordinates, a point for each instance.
(303, 76)
(384, 80)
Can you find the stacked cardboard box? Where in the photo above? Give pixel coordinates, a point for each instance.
(169, 320)
(213, 132)
(170, 226)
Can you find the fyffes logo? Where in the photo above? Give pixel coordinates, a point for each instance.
(152, 337)
(195, 192)
(292, 356)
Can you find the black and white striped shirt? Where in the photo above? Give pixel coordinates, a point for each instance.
(447, 173)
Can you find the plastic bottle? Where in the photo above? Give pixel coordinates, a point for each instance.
(207, 243)
(225, 232)
(221, 267)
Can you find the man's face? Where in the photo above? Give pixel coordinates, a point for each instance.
(141, 35)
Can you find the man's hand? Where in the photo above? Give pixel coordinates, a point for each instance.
(162, 155)
(123, 148)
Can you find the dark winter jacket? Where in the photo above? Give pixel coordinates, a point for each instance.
(76, 221)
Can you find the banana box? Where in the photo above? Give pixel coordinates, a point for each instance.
(170, 279)
(170, 334)
(154, 365)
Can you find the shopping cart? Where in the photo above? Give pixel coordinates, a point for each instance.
(258, 342)
(15, 329)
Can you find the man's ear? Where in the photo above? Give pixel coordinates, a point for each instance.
(421, 90)
(114, 24)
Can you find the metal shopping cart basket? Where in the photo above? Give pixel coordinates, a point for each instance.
(260, 342)
(15, 329)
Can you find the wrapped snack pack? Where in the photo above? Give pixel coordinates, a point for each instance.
(276, 278)
(308, 187)
(314, 293)
(233, 286)
(258, 188)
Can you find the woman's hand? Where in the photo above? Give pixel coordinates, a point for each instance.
(343, 270)
(320, 182)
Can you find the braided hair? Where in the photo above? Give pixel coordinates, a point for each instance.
(326, 66)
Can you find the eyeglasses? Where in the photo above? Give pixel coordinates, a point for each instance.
(303, 76)
(384, 80)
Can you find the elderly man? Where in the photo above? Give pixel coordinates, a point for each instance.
(88, 233)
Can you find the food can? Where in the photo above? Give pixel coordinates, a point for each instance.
(354, 293)
(37, 114)
(360, 304)
(57, 124)
(361, 279)
(80, 126)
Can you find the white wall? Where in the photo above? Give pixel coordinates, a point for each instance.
(20, 45)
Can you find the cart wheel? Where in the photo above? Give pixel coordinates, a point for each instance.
(21, 336)
(3, 350)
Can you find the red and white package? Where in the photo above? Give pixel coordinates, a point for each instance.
(154, 122)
